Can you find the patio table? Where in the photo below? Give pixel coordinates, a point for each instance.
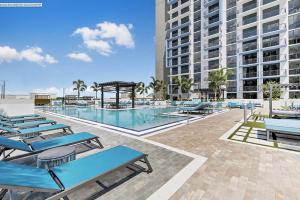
(56, 157)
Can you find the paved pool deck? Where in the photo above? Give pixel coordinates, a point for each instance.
(233, 170)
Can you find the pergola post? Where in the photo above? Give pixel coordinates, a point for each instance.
(117, 95)
(102, 97)
(132, 95)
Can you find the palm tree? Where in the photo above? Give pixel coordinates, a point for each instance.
(142, 89)
(186, 85)
(164, 88)
(95, 88)
(80, 86)
(155, 85)
(216, 80)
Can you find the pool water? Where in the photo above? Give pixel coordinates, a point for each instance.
(139, 119)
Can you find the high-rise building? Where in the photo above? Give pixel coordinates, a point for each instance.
(255, 40)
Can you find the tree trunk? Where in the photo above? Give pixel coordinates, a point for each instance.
(215, 95)
(96, 94)
(78, 94)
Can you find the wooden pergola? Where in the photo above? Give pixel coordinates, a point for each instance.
(117, 86)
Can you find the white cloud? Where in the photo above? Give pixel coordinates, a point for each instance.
(105, 35)
(31, 54)
(120, 33)
(80, 56)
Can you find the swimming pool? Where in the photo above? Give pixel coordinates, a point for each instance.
(140, 119)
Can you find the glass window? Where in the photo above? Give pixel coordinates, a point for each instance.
(213, 64)
(294, 67)
(294, 36)
(249, 5)
(184, 69)
(231, 26)
(197, 46)
(213, 53)
(231, 38)
(197, 68)
(175, 14)
(294, 21)
(185, 59)
(249, 32)
(184, 10)
(270, 41)
(185, 20)
(294, 6)
(174, 5)
(294, 52)
(231, 3)
(197, 57)
(231, 14)
(197, 78)
(271, 26)
(250, 45)
(231, 62)
(249, 19)
(184, 49)
(270, 12)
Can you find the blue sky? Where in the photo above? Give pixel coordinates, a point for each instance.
(45, 49)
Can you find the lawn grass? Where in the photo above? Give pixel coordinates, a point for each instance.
(254, 124)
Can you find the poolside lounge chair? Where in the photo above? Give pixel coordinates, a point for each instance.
(39, 146)
(234, 105)
(64, 179)
(33, 132)
(201, 107)
(287, 113)
(25, 119)
(26, 124)
(283, 126)
(18, 116)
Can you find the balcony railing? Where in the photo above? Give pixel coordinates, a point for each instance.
(231, 89)
(294, 71)
(271, 58)
(250, 88)
(250, 61)
(249, 7)
(270, 43)
(249, 74)
(271, 72)
(249, 47)
(249, 20)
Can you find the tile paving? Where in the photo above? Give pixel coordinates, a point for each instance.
(233, 170)
(137, 186)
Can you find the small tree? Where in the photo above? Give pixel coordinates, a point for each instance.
(276, 91)
(155, 85)
(142, 89)
(184, 85)
(80, 86)
(95, 88)
(216, 79)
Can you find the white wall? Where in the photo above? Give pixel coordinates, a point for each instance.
(13, 107)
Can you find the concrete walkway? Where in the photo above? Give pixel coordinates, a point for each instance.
(233, 170)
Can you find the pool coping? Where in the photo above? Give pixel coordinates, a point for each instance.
(154, 130)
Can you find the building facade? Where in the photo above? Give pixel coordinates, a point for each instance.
(255, 40)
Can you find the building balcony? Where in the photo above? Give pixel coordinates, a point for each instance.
(210, 2)
(276, 72)
(231, 89)
(211, 13)
(250, 88)
(213, 24)
(250, 61)
(294, 71)
(250, 75)
(272, 58)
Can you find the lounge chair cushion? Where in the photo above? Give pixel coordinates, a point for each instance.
(76, 172)
(283, 125)
(27, 177)
(15, 120)
(43, 128)
(34, 123)
(8, 129)
(13, 144)
(61, 141)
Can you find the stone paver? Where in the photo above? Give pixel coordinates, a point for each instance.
(238, 137)
(241, 133)
(260, 141)
(165, 165)
(233, 170)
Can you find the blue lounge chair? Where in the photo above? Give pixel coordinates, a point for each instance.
(18, 116)
(283, 126)
(39, 146)
(26, 124)
(234, 104)
(63, 180)
(287, 113)
(33, 132)
(25, 119)
(201, 107)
